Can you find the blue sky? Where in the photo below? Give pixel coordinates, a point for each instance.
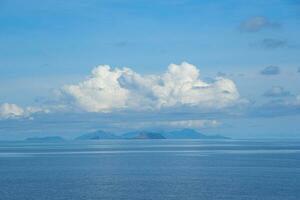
(47, 47)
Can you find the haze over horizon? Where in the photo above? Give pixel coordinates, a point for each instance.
(227, 67)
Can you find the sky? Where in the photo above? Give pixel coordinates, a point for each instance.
(229, 67)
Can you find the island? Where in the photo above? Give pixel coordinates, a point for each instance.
(98, 135)
(191, 134)
(144, 134)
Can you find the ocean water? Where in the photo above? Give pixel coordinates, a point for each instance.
(151, 170)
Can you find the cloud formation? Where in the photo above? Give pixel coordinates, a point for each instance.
(110, 89)
(257, 23)
(195, 124)
(277, 91)
(173, 124)
(10, 111)
(273, 43)
(276, 107)
(13, 111)
(270, 70)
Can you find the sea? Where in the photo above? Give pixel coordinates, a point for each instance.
(151, 170)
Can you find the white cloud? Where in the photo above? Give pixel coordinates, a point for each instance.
(110, 89)
(170, 124)
(101, 92)
(194, 124)
(12, 111)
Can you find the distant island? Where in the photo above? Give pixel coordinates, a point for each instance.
(179, 134)
(138, 135)
(191, 134)
(142, 135)
(97, 135)
(101, 135)
(148, 135)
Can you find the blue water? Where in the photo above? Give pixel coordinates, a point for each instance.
(152, 169)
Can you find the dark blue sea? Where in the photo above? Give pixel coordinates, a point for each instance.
(151, 170)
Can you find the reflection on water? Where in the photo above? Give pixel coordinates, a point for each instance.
(150, 169)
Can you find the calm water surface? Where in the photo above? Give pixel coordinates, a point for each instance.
(152, 169)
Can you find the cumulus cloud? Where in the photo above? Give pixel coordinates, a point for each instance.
(277, 91)
(101, 92)
(13, 111)
(10, 111)
(270, 70)
(110, 89)
(257, 23)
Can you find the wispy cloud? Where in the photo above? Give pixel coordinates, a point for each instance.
(270, 70)
(275, 108)
(271, 43)
(275, 43)
(121, 44)
(168, 124)
(257, 23)
(277, 91)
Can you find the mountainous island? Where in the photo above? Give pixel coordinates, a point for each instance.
(98, 135)
(191, 134)
(179, 134)
(141, 135)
